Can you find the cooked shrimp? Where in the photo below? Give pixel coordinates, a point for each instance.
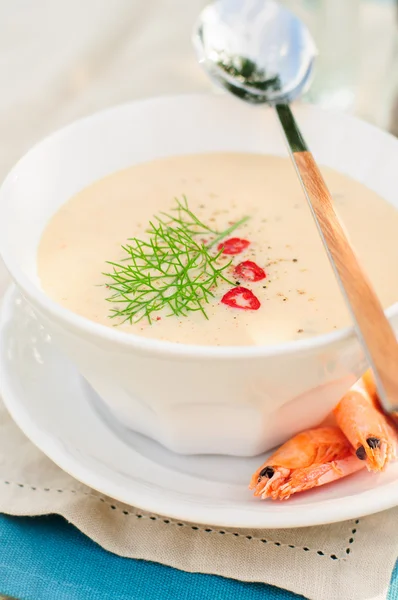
(371, 434)
(370, 386)
(310, 459)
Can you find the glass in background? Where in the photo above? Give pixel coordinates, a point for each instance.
(357, 60)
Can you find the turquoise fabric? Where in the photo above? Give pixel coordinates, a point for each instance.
(47, 559)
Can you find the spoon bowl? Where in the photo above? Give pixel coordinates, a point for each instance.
(256, 49)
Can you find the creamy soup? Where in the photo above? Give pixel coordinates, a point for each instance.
(299, 296)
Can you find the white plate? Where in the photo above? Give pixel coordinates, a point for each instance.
(61, 415)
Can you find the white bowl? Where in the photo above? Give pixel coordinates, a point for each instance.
(192, 399)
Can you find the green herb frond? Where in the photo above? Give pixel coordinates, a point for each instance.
(171, 270)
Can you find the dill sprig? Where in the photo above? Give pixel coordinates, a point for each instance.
(173, 268)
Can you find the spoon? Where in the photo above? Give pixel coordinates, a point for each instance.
(262, 53)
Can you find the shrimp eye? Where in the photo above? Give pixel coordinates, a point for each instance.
(373, 442)
(361, 453)
(267, 472)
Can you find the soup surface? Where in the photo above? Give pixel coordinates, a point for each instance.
(298, 298)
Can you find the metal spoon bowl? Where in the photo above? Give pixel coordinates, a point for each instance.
(256, 49)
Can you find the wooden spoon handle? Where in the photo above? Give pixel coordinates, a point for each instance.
(373, 328)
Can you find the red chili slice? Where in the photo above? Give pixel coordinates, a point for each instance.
(241, 297)
(233, 246)
(250, 271)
